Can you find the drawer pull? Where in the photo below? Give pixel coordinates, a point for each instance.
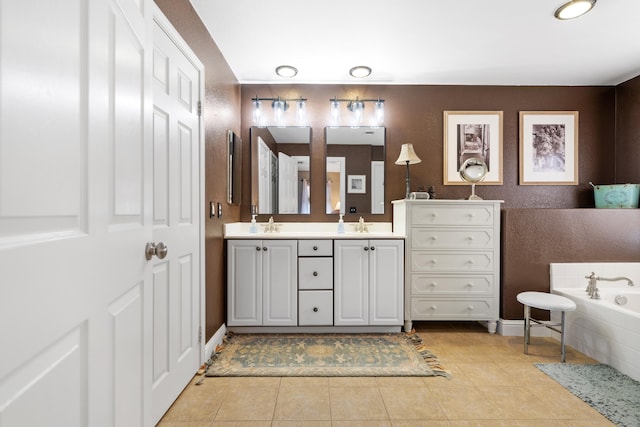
(315, 309)
(469, 285)
(470, 262)
(433, 237)
(433, 307)
(470, 238)
(470, 308)
(433, 284)
(315, 248)
(315, 273)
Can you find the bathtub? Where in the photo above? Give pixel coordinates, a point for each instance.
(605, 329)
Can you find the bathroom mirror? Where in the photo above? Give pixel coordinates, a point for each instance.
(280, 169)
(234, 168)
(355, 169)
(473, 170)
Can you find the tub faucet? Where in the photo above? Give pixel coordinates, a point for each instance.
(615, 279)
(592, 287)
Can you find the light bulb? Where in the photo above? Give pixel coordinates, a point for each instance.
(279, 108)
(335, 111)
(301, 113)
(379, 112)
(357, 107)
(257, 112)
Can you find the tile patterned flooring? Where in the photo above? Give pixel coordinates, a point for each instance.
(493, 384)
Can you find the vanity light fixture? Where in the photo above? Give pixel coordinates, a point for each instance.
(356, 106)
(574, 9)
(280, 106)
(360, 71)
(407, 157)
(286, 71)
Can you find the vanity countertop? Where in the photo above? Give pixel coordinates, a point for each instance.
(311, 230)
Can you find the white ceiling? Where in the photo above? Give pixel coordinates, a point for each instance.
(457, 42)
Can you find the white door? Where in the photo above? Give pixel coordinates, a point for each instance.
(177, 88)
(287, 184)
(377, 187)
(264, 178)
(351, 282)
(74, 218)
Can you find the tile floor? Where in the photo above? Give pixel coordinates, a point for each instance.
(493, 384)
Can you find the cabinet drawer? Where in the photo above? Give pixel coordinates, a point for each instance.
(455, 262)
(315, 247)
(315, 273)
(422, 284)
(451, 309)
(469, 214)
(437, 238)
(315, 308)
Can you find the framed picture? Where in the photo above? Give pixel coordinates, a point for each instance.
(548, 147)
(470, 134)
(356, 184)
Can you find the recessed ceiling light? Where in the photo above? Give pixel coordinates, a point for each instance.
(286, 71)
(360, 71)
(574, 8)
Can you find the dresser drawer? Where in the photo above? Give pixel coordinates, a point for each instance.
(471, 214)
(455, 262)
(423, 284)
(452, 309)
(438, 238)
(315, 247)
(315, 273)
(315, 308)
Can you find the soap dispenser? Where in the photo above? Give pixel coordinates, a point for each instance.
(341, 225)
(254, 227)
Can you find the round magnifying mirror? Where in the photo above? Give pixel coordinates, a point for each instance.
(473, 170)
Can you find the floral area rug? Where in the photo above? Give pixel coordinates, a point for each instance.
(330, 355)
(613, 394)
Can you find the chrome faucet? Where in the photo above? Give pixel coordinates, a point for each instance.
(362, 227)
(271, 227)
(592, 287)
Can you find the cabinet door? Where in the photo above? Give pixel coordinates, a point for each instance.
(280, 283)
(244, 283)
(351, 282)
(386, 282)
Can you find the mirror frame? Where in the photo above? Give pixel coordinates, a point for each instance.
(234, 168)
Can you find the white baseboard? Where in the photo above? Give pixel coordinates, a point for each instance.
(515, 328)
(215, 341)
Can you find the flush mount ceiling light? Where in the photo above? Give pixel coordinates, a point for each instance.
(360, 71)
(574, 8)
(286, 71)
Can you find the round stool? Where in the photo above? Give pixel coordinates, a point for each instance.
(544, 301)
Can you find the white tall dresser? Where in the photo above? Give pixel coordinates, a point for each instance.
(452, 267)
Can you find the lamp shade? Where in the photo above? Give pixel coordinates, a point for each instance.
(407, 155)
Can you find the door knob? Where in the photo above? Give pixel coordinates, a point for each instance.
(160, 250)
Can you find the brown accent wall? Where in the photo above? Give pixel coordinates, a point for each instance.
(221, 113)
(627, 141)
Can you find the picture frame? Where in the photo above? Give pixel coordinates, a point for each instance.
(548, 147)
(472, 134)
(357, 184)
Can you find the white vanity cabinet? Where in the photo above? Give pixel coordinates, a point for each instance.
(453, 259)
(368, 282)
(262, 278)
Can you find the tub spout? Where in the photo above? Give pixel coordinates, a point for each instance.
(592, 287)
(615, 279)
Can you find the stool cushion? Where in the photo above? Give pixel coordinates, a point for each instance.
(546, 301)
